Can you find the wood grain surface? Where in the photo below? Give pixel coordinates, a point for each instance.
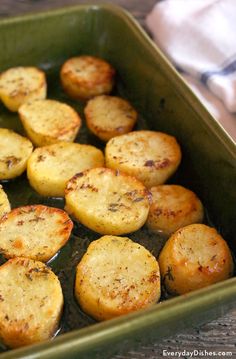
(218, 335)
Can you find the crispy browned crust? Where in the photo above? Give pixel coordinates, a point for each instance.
(14, 161)
(194, 257)
(64, 132)
(18, 247)
(40, 84)
(100, 82)
(124, 111)
(104, 295)
(137, 154)
(72, 185)
(16, 332)
(19, 95)
(173, 207)
(49, 168)
(122, 209)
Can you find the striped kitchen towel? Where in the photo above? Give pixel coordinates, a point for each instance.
(199, 37)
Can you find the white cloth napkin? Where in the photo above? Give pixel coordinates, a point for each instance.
(199, 37)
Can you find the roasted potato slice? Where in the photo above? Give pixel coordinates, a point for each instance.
(31, 302)
(106, 201)
(83, 77)
(22, 84)
(35, 232)
(194, 257)
(173, 207)
(116, 276)
(109, 116)
(14, 153)
(50, 168)
(150, 156)
(49, 121)
(5, 206)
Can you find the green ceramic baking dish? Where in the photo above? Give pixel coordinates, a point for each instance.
(165, 103)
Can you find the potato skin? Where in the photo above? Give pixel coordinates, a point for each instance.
(49, 168)
(194, 257)
(31, 302)
(109, 116)
(152, 157)
(173, 207)
(107, 201)
(5, 206)
(83, 77)
(35, 232)
(116, 276)
(14, 153)
(22, 84)
(49, 121)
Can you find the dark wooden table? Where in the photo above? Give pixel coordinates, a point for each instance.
(218, 335)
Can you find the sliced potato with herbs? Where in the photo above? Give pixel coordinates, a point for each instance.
(109, 116)
(150, 156)
(194, 257)
(35, 232)
(22, 84)
(83, 77)
(5, 206)
(173, 207)
(116, 276)
(50, 168)
(49, 121)
(14, 153)
(106, 201)
(31, 302)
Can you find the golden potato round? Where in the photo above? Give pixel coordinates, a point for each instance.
(31, 302)
(106, 201)
(116, 276)
(35, 232)
(152, 157)
(49, 168)
(5, 206)
(49, 121)
(109, 116)
(194, 257)
(22, 84)
(14, 153)
(83, 77)
(173, 207)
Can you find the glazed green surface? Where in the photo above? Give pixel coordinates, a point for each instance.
(165, 104)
